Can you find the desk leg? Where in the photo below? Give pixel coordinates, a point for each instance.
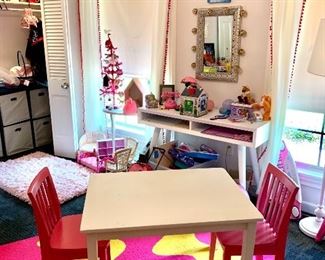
(92, 247)
(247, 251)
(242, 165)
(155, 136)
(256, 169)
(113, 131)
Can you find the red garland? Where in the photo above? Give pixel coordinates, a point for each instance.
(271, 35)
(296, 45)
(166, 41)
(99, 35)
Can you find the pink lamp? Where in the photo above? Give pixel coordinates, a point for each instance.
(312, 226)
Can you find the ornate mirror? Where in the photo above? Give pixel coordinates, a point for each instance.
(218, 43)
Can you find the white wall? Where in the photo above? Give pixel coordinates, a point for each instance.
(253, 64)
(12, 38)
(255, 44)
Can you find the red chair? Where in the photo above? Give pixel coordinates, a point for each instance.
(60, 237)
(275, 202)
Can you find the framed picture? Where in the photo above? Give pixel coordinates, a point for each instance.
(218, 1)
(165, 88)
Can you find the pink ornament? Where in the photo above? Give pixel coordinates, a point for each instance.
(130, 107)
(210, 105)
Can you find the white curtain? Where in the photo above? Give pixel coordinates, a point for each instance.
(92, 80)
(286, 15)
(138, 31)
(308, 90)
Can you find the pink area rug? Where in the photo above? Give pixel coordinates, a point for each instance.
(70, 178)
(173, 247)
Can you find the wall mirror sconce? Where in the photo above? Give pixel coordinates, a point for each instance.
(217, 47)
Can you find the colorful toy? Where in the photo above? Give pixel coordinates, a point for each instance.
(112, 76)
(246, 96)
(194, 100)
(239, 112)
(130, 107)
(265, 105)
(225, 109)
(169, 99)
(151, 101)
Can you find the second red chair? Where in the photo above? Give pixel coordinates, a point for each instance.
(275, 202)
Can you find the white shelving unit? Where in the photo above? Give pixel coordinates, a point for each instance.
(16, 6)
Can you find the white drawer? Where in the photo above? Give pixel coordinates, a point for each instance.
(42, 131)
(14, 108)
(18, 138)
(39, 100)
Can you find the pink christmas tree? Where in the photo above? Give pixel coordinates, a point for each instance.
(112, 74)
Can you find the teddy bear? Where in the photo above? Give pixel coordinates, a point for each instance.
(265, 104)
(246, 96)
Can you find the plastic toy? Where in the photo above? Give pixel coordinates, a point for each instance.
(130, 107)
(194, 100)
(181, 157)
(206, 148)
(169, 99)
(225, 109)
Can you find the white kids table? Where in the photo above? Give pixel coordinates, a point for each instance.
(134, 204)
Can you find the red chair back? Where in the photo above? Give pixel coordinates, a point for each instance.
(275, 200)
(46, 206)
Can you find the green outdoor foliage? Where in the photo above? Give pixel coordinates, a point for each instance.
(300, 136)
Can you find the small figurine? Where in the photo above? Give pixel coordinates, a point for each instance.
(225, 109)
(265, 104)
(151, 101)
(246, 96)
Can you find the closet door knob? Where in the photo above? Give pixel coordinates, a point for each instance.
(65, 85)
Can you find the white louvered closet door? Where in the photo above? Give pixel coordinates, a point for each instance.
(59, 26)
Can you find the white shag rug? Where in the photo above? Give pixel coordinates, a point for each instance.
(70, 179)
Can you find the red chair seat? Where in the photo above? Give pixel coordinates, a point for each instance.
(67, 239)
(265, 237)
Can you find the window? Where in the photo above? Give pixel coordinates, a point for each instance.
(304, 134)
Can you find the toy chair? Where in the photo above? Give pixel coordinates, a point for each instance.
(120, 161)
(275, 202)
(133, 144)
(60, 237)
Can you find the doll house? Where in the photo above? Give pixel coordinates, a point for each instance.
(194, 101)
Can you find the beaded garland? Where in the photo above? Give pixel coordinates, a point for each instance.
(166, 41)
(296, 45)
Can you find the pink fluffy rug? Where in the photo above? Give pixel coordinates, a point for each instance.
(70, 179)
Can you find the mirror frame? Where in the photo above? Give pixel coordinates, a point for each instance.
(237, 12)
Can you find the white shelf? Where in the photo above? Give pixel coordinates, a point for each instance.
(19, 6)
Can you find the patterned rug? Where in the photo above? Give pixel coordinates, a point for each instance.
(176, 247)
(70, 179)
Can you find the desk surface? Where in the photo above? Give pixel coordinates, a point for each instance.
(120, 203)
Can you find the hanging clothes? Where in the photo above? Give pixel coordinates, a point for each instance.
(35, 52)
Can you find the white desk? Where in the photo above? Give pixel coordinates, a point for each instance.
(120, 205)
(172, 120)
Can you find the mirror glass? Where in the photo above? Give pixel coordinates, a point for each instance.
(218, 43)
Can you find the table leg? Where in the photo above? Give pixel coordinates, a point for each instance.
(248, 242)
(242, 165)
(155, 136)
(92, 247)
(256, 169)
(113, 131)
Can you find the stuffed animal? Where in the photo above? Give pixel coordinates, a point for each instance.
(246, 96)
(151, 101)
(265, 104)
